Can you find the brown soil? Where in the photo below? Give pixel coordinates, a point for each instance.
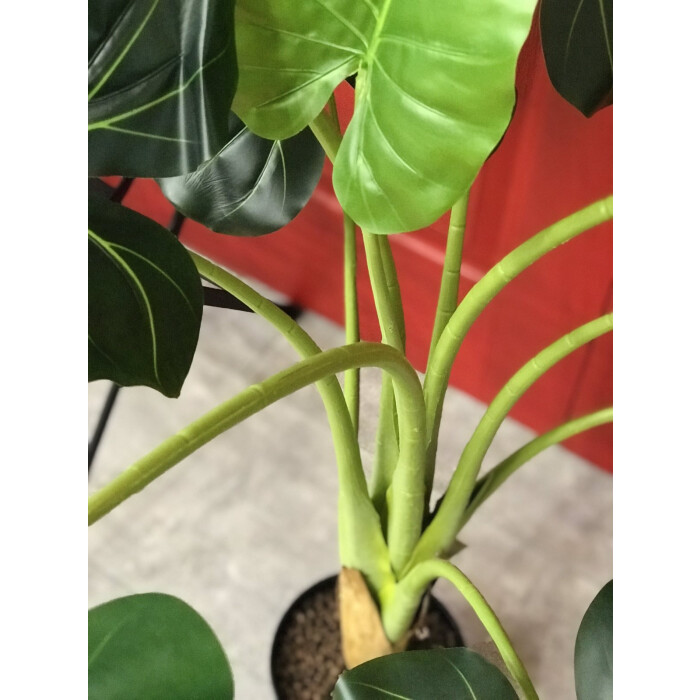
(306, 657)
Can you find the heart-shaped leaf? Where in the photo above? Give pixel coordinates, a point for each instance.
(593, 655)
(153, 646)
(437, 674)
(161, 78)
(144, 300)
(577, 45)
(252, 186)
(434, 92)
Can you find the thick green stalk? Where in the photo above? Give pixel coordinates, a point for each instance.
(326, 130)
(382, 276)
(352, 319)
(405, 498)
(408, 482)
(357, 540)
(386, 450)
(257, 397)
(489, 483)
(449, 285)
(440, 365)
(387, 301)
(392, 285)
(444, 527)
(398, 614)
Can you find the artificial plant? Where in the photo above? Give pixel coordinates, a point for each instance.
(232, 111)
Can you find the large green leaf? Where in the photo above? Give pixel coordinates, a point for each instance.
(161, 78)
(144, 300)
(154, 646)
(252, 186)
(437, 674)
(577, 44)
(434, 92)
(593, 655)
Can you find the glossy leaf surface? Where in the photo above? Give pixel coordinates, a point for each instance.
(438, 674)
(153, 646)
(434, 92)
(577, 44)
(252, 186)
(144, 300)
(161, 78)
(593, 655)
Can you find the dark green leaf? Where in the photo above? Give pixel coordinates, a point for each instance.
(161, 78)
(154, 646)
(252, 186)
(144, 300)
(434, 92)
(577, 44)
(593, 658)
(438, 674)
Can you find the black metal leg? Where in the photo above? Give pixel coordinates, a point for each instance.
(102, 423)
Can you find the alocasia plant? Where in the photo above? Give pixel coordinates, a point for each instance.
(434, 93)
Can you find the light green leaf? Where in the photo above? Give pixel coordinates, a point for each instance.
(144, 300)
(434, 92)
(161, 78)
(154, 646)
(437, 674)
(252, 186)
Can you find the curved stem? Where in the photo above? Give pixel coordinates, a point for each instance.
(399, 612)
(326, 130)
(406, 499)
(352, 320)
(386, 450)
(489, 483)
(257, 397)
(392, 285)
(359, 526)
(449, 285)
(387, 299)
(440, 365)
(445, 525)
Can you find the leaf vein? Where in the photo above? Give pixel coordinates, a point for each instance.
(296, 88)
(106, 246)
(126, 50)
(161, 271)
(345, 22)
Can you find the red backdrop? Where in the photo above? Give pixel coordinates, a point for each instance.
(551, 162)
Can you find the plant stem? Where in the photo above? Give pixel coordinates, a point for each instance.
(326, 130)
(408, 483)
(444, 527)
(399, 613)
(387, 298)
(358, 524)
(386, 450)
(392, 286)
(352, 320)
(257, 397)
(449, 285)
(387, 301)
(440, 365)
(489, 483)
(406, 499)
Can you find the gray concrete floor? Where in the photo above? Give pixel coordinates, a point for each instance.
(239, 529)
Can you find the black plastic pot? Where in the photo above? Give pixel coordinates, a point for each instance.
(306, 656)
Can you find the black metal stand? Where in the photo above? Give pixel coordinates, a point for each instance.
(102, 423)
